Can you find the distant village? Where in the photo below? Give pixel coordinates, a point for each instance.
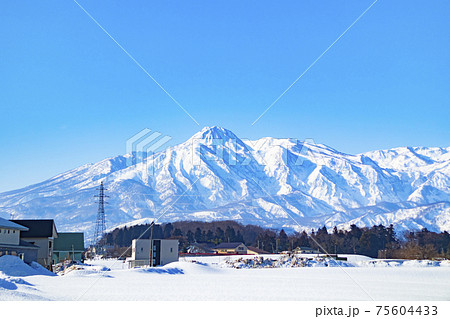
(39, 241)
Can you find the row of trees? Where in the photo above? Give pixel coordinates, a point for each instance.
(188, 232)
(377, 241)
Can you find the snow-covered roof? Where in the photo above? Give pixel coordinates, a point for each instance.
(4, 223)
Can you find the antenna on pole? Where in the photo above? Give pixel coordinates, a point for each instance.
(100, 227)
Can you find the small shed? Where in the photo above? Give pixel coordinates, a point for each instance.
(68, 246)
(165, 251)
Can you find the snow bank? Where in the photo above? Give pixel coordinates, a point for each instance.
(10, 283)
(5, 283)
(14, 266)
(41, 270)
(403, 263)
(191, 267)
(83, 270)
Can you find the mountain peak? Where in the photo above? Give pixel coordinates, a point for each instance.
(214, 132)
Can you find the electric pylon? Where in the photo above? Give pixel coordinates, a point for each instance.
(100, 227)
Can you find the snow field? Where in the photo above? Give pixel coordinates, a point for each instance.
(211, 278)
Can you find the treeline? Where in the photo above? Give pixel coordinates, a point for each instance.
(188, 232)
(377, 241)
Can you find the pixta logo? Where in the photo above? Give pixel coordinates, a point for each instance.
(141, 146)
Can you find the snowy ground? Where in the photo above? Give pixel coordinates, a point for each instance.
(212, 278)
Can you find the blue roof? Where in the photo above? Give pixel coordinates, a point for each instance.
(4, 223)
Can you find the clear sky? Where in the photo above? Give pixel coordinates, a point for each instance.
(70, 96)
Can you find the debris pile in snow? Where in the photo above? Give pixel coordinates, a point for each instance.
(294, 261)
(285, 261)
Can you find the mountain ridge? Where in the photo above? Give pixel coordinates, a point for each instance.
(278, 183)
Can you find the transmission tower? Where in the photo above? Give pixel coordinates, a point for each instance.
(100, 227)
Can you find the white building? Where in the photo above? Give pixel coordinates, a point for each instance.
(164, 251)
(11, 244)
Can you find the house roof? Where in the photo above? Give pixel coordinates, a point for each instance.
(228, 245)
(22, 245)
(205, 247)
(27, 244)
(4, 223)
(65, 241)
(257, 250)
(37, 228)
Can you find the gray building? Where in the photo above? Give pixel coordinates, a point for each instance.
(11, 244)
(164, 251)
(41, 232)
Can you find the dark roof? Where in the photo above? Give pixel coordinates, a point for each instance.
(27, 244)
(37, 227)
(257, 250)
(228, 245)
(205, 247)
(205, 244)
(22, 244)
(65, 241)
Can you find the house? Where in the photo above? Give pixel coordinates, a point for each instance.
(255, 251)
(164, 251)
(41, 232)
(231, 248)
(306, 250)
(201, 248)
(68, 246)
(11, 244)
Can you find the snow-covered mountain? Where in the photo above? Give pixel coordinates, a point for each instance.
(270, 182)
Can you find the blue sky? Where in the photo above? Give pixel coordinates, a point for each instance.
(69, 95)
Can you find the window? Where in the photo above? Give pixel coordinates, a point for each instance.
(171, 250)
(142, 249)
(14, 231)
(8, 231)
